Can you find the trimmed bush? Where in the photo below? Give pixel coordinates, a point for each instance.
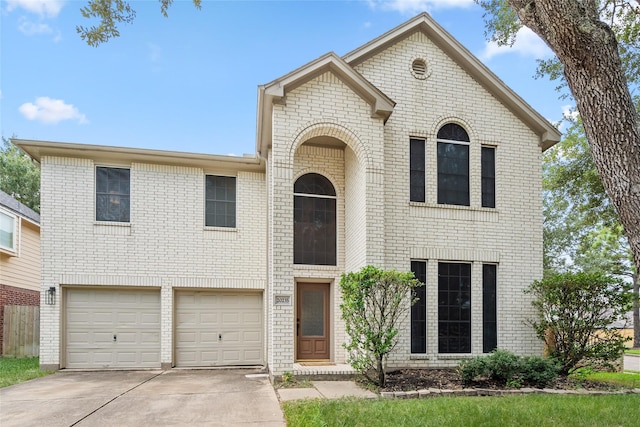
(508, 369)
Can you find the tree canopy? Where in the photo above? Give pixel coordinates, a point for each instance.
(597, 48)
(19, 175)
(111, 13)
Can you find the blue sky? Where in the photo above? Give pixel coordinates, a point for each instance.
(189, 82)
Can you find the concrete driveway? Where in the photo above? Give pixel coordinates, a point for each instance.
(143, 398)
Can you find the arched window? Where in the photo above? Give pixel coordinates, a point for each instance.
(314, 220)
(453, 165)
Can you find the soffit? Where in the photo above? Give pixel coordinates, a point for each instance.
(124, 155)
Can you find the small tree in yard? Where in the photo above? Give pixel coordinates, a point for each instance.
(374, 303)
(573, 314)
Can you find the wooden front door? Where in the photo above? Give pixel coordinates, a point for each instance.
(312, 321)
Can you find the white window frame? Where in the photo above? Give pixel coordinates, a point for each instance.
(13, 250)
(95, 195)
(204, 210)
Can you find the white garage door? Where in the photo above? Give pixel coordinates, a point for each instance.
(218, 328)
(112, 328)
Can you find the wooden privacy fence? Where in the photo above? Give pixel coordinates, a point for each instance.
(21, 332)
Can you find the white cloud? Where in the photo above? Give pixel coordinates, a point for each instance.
(30, 28)
(51, 111)
(414, 6)
(570, 112)
(155, 52)
(527, 44)
(44, 8)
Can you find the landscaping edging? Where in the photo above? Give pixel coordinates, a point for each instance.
(436, 392)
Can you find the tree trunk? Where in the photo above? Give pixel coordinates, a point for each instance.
(588, 50)
(382, 378)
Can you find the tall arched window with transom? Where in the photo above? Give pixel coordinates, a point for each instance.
(314, 219)
(453, 165)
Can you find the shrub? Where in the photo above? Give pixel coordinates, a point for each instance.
(471, 369)
(537, 371)
(374, 302)
(508, 369)
(503, 365)
(573, 314)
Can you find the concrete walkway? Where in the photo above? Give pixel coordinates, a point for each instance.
(632, 362)
(325, 389)
(143, 398)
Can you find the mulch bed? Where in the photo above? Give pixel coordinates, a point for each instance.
(449, 379)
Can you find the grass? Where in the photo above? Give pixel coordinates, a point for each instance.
(634, 351)
(622, 379)
(17, 370)
(529, 410)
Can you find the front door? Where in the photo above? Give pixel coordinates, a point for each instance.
(312, 321)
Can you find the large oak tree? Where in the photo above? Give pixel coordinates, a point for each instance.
(589, 55)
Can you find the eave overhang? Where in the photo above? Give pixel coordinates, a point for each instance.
(124, 155)
(276, 92)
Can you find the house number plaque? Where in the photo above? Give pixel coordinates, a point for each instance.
(282, 300)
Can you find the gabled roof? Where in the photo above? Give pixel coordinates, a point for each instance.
(11, 204)
(274, 92)
(549, 135)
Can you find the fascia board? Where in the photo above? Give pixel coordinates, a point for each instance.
(102, 153)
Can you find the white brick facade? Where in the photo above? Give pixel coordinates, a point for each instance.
(349, 119)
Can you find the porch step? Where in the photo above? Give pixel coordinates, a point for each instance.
(328, 372)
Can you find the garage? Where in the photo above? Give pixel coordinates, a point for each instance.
(112, 328)
(218, 328)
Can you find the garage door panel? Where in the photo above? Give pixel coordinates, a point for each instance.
(95, 316)
(221, 321)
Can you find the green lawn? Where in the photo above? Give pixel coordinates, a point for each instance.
(622, 379)
(635, 351)
(17, 370)
(530, 410)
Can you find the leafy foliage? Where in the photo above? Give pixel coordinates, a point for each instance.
(19, 175)
(375, 301)
(573, 314)
(509, 369)
(502, 25)
(110, 13)
(581, 224)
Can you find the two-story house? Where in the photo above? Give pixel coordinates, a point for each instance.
(406, 153)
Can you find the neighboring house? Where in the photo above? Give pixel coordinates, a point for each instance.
(407, 153)
(19, 256)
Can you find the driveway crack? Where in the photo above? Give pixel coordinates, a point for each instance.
(116, 397)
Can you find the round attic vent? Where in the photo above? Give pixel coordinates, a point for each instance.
(419, 68)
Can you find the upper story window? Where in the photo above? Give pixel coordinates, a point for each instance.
(417, 170)
(112, 194)
(8, 231)
(453, 165)
(220, 201)
(488, 177)
(314, 219)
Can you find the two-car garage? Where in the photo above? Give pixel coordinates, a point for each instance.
(121, 328)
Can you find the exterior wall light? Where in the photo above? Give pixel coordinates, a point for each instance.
(51, 296)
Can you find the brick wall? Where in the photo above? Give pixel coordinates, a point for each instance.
(381, 226)
(10, 295)
(165, 245)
